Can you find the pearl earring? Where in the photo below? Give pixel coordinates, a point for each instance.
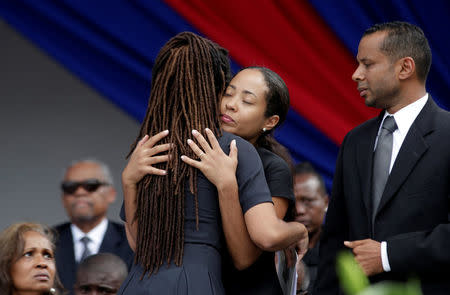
(264, 129)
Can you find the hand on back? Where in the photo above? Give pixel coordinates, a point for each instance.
(217, 166)
(145, 155)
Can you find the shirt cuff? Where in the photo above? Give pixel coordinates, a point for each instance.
(384, 257)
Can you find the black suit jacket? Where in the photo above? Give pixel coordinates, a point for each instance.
(115, 241)
(413, 215)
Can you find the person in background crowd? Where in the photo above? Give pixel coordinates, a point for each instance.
(311, 203)
(27, 263)
(87, 192)
(101, 273)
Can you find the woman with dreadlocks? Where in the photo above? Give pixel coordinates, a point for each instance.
(171, 209)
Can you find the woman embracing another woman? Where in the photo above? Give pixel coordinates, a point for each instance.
(172, 210)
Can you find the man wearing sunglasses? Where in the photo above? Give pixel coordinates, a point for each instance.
(87, 192)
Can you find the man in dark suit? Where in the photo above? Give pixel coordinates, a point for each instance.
(87, 192)
(390, 199)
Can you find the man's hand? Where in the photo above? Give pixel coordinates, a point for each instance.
(368, 255)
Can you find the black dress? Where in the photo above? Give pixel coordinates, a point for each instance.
(201, 270)
(261, 277)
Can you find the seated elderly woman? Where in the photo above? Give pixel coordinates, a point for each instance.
(27, 264)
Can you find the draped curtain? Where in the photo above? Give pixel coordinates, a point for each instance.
(111, 45)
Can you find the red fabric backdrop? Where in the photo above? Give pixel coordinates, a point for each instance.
(288, 37)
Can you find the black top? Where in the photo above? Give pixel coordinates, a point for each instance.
(261, 277)
(278, 175)
(253, 190)
(200, 272)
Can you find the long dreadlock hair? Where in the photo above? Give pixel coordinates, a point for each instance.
(188, 78)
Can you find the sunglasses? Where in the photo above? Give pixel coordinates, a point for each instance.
(89, 185)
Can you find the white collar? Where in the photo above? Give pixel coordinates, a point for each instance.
(96, 234)
(406, 116)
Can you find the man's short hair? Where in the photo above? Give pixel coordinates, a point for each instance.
(104, 262)
(308, 168)
(105, 169)
(404, 39)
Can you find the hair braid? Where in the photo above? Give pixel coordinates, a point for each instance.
(188, 78)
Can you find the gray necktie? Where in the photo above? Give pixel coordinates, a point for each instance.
(382, 161)
(86, 252)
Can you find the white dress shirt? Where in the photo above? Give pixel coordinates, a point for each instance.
(96, 236)
(404, 118)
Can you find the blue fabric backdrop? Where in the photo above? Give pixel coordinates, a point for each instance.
(111, 45)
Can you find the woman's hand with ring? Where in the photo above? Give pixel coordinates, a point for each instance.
(218, 167)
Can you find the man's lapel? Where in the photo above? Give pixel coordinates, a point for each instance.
(411, 151)
(110, 240)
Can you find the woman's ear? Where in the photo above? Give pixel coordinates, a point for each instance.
(271, 122)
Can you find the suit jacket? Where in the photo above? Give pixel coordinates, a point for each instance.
(413, 215)
(115, 241)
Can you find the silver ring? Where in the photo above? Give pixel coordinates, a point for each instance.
(201, 154)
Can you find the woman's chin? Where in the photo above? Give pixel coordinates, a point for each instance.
(227, 128)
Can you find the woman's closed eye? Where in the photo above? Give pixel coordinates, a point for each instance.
(229, 91)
